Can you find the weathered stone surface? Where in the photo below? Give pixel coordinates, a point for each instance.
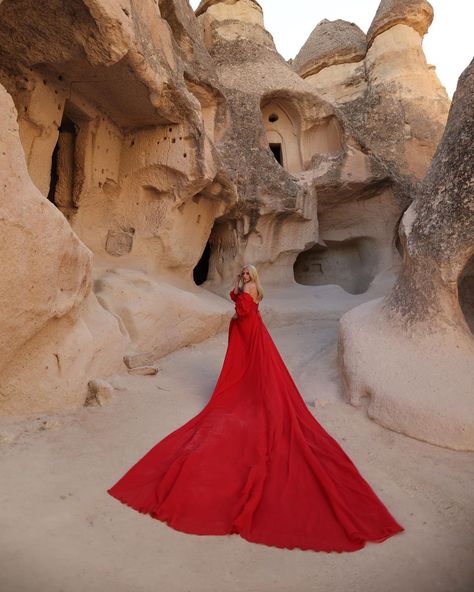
(101, 392)
(406, 106)
(417, 14)
(41, 280)
(391, 100)
(117, 111)
(411, 353)
(393, 109)
(205, 4)
(330, 43)
(270, 105)
(437, 230)
(136, 360)
(143, 371)
(119, 242)
(159, 317)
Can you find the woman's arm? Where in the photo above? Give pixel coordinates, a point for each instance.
(234, 292)
(237, 283)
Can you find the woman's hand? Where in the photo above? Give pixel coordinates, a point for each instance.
(237, 283)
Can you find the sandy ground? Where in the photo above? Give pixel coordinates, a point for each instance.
(61, 531)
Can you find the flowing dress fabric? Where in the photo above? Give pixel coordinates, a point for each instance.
(256, 462)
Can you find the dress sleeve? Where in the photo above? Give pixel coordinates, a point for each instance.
(242, 305)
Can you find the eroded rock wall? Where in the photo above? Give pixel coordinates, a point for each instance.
(117, 113)
(287, 150)
(411, 353)
(394, 109)
(389, 96)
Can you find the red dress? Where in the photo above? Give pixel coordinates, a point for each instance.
(255, 461)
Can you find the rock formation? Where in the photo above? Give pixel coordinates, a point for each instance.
(393, 109)
(412, 352)
(331, 43)
(289, 153)
(149, 151)
(417, 14)
(391, 99)
(116, 118)
(258, 86)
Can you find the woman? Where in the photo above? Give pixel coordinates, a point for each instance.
(255, 461)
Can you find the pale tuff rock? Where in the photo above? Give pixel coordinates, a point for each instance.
(417, 14)
(100, 392)
(116, 141)
(148, 152)
(331, 43)
(143, 371)
(242, 8)
(411, 353)
(272, 107)
(390, 99)
(137, 360)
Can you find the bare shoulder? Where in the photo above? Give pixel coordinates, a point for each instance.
(251, 288)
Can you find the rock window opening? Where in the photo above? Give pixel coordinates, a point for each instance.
(277, 153)
(63, 166)
(350, 264)
(54, 175)
(202, 268)
(281, 120)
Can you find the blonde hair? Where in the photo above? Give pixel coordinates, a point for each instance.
(254, 277)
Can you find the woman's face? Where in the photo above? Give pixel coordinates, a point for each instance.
(245, 275)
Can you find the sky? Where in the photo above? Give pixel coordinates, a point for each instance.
(448, 45)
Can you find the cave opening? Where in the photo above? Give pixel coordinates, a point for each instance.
(350, 264)
(63, 165)
(277, 153)
(54, 175)
(201, 270)
(282, 122)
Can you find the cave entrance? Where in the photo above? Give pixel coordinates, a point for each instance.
(282, 121)
(466, 293)
(277, 153)
(63, 165)
(350, 263)
(68, 171)
(202, 268)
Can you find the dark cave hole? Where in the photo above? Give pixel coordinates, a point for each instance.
(54, 175)
(350, 264)
(277, 153)
(66, 129)
(202, 268)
